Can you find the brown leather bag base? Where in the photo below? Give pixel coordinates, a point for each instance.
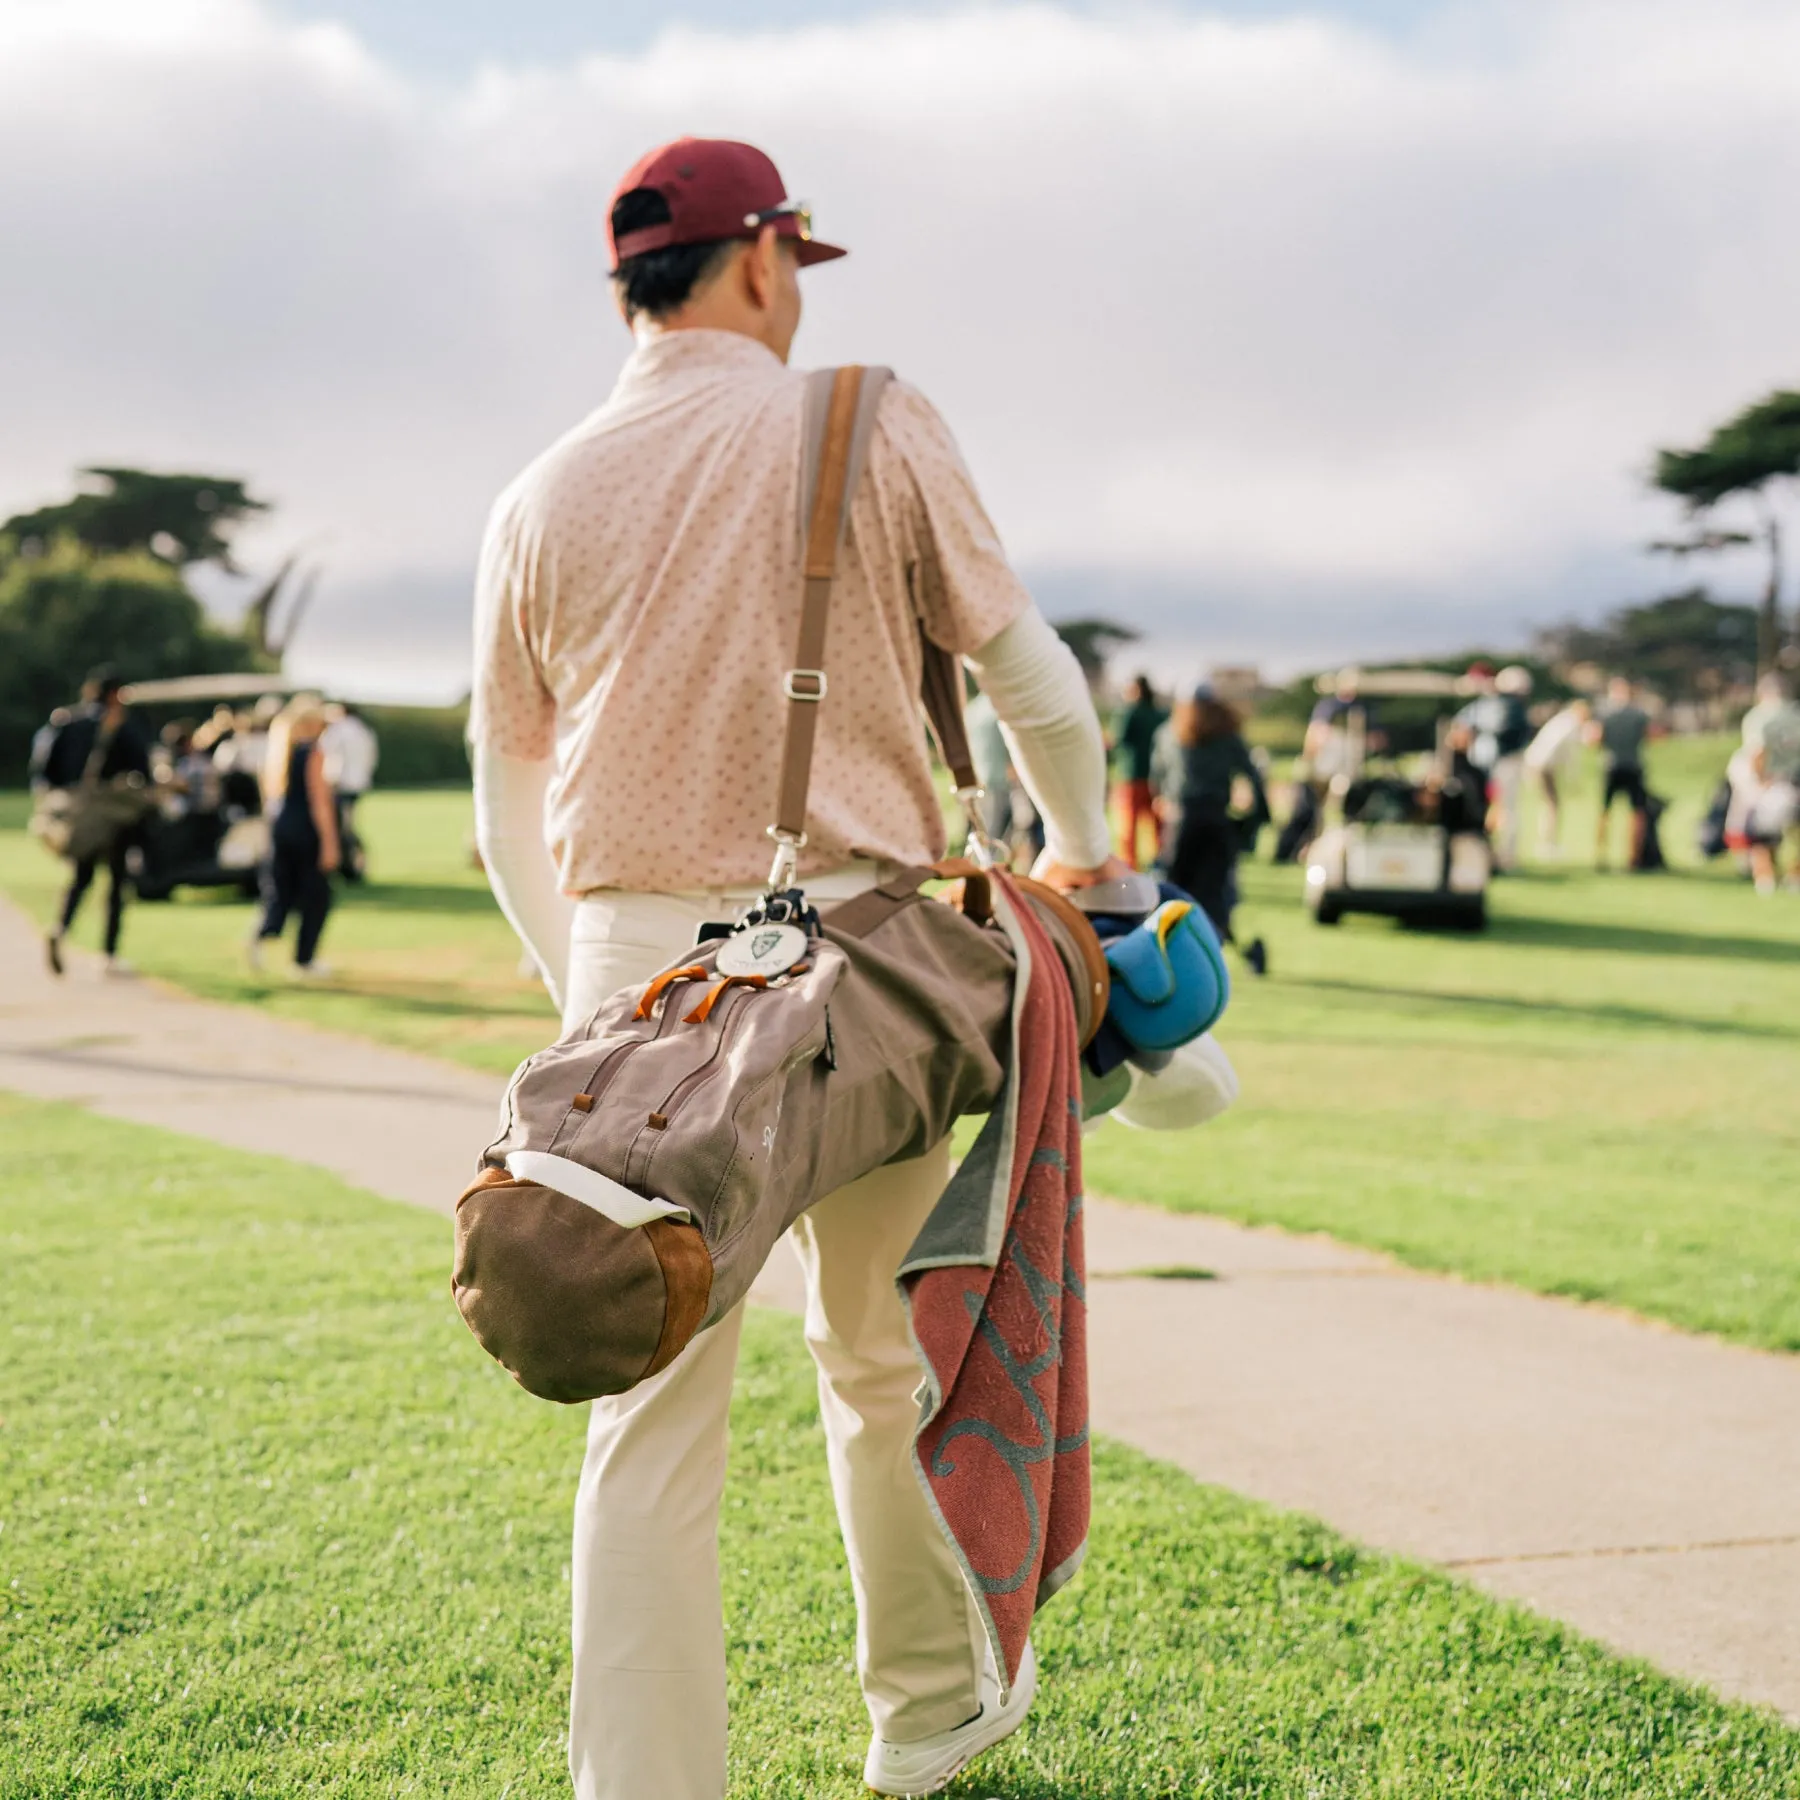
(568, 1303)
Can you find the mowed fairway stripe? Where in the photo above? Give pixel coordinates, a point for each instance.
(272, 1524)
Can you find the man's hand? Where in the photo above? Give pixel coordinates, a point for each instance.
(1061, 877)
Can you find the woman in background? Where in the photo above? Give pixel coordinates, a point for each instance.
(1208, 840)
(1551, 757)
(303, 834)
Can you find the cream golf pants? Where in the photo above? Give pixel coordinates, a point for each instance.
(647, 1710)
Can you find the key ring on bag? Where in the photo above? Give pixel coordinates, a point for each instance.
(984, 851)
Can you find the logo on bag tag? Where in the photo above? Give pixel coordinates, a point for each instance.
(769, 950)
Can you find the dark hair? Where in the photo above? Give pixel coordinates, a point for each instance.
(1203, 718)
(102, 683)
(658, 282)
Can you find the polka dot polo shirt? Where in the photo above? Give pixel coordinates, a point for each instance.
(638, 603)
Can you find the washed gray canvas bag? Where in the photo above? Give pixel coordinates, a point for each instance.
(86, 819)
(649, 1160)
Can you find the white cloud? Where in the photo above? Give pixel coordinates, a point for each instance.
(1318, 331)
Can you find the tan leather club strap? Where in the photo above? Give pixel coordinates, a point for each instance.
(941, 688)
(827, 512)
(839, 422)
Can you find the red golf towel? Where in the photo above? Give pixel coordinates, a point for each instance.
(1001, 1321)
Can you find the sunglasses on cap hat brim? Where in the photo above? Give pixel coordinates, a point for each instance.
(794, 219)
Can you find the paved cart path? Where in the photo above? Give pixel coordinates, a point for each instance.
(1641, 1484)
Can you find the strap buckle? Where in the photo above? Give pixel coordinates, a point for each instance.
(790, 685)
(785, 869)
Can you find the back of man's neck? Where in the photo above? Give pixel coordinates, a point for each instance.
(646, 330)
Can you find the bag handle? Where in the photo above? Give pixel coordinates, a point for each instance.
(839, 421)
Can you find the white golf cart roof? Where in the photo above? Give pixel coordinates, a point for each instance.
(212, 687)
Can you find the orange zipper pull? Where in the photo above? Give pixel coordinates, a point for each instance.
(654, 992)
(703, 1011)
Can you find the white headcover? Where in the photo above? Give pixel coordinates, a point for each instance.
(1197, 1085)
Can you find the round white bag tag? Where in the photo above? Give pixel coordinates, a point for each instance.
(769, 950)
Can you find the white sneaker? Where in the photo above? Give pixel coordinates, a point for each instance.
(119, 968)
(932, 1763)
(313, 971)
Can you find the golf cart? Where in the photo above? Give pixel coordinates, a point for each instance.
(1415, 850)
(215, 839)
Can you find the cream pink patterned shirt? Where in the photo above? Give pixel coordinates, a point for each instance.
(639, 601)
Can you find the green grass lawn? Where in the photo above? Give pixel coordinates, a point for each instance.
(422, 955)
(271, 1525)
(1596, 1098)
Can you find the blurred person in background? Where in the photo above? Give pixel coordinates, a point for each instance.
(1209, 838)
(1134, 745)
(1499, 729)
(303, 835)
(1765, 780)
(993, 765)
(186, 776)
(243, 750)
(1620, 731)
(98, 741)
(1550, 757)
(41, 740)
(1772, 729)
(351, 751)
(1168, 761)
(1340, 730)
(214, 732)
(1512, 736)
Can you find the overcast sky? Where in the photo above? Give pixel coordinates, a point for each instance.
(1283, 335)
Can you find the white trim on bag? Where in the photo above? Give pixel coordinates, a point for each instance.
(607, 1197)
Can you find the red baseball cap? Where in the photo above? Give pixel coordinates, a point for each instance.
(715, 190)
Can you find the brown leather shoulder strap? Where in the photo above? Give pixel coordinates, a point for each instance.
(941, 688)
(839, 422)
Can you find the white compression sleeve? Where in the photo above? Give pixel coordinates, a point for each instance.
(509, 831)
(1048, 719)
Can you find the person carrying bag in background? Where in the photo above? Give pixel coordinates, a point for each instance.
(93, 790)
(635, 620)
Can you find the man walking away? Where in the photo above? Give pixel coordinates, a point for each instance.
(101, 741)
(1620, 731)
(637, 610)
(1134, 745)
(351, 752)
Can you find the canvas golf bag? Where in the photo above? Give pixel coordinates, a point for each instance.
(85, 820)
(649, 1160)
